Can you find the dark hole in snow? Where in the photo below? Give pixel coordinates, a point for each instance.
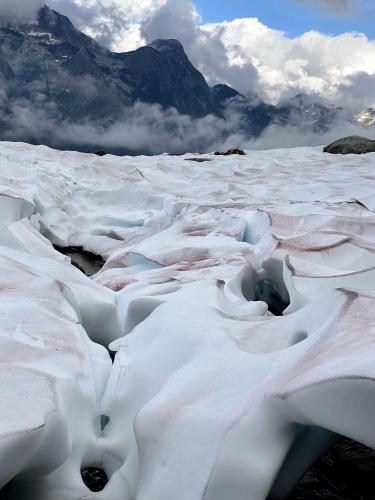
(94, 478)
(87, 262)
(112, 354)
(104, 421)
(247, 237)
(346, 472)
(102, 153)
(266, 291)
(266, 285)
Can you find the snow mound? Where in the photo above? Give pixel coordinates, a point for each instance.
(237, 302)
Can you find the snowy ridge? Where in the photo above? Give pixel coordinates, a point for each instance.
(211, 396)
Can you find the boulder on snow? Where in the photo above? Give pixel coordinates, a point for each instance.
(102, 153)
(235, 151)
(351, 145)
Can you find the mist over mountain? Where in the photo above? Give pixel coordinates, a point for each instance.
(61, 88)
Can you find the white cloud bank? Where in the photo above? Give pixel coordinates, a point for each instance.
(115, 23)
(314, 63)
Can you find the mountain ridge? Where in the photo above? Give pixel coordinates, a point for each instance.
(50, 66)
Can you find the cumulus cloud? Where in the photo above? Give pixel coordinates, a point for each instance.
(114, 23)
(314, 63)
(24, 9)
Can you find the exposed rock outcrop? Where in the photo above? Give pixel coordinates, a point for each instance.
(351, 145)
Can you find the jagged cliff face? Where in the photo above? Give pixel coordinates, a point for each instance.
(162, 73)
(52, 58)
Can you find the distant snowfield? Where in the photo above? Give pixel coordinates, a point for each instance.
(210, 396)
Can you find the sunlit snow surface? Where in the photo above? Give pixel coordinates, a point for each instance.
(210, 397)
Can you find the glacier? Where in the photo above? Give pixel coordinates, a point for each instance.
(226, 343)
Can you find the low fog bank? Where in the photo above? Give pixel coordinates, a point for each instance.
(149, 129)
(45, 111)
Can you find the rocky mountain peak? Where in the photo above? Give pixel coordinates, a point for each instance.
(54, 22)
(170, 45)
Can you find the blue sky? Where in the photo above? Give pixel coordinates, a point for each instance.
(291, 16)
